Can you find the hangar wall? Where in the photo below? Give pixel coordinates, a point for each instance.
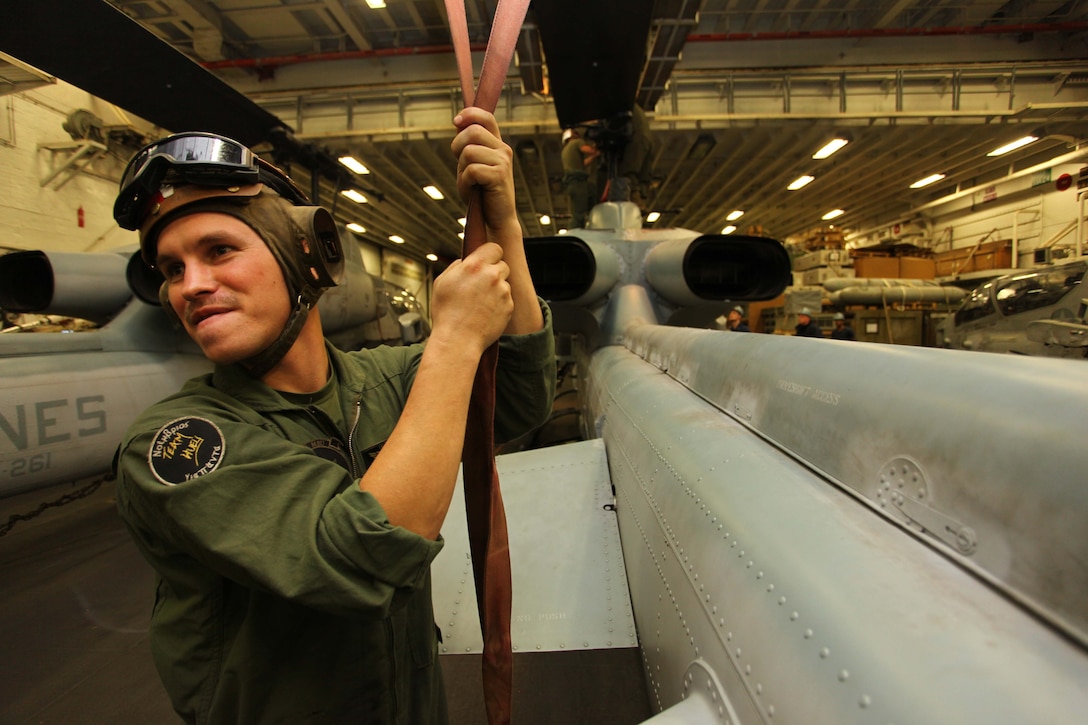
(57, 193)
(1033, 211)
(33, 147)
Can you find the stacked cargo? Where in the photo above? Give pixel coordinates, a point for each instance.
(894, 263)
(982, 256)
(819, 255)
(817, 267)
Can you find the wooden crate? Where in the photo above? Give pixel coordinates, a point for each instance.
(876, 266)
(917, 268)
(989, 255)
(823, 239)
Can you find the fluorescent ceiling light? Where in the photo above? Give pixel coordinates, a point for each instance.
(1013, 146)
(357, 228)
(432, 257)
(653, 216)
(375, 4)
(433, 192)
(931, 179)
(734, 215)
(396, 239)
(832, 214)
(352, 163)
(729, 229)
(800, 181)
(832, 146)
(545, 219)
(354, 196)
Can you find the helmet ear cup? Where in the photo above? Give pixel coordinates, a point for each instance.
(144, 281)
(320, 250)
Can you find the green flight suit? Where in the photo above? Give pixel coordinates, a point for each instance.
(283, 592)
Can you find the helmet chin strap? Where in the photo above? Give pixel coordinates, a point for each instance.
(259, 365)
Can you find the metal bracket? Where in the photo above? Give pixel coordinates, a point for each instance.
(903, 484)
(80, 154)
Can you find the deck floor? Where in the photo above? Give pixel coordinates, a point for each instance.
(75, 602)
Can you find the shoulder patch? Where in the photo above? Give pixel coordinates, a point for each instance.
(186, 448)
(331, 450)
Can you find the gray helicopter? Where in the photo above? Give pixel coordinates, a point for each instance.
(66, 396)
(1033, 312)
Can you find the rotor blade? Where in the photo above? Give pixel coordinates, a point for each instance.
(596, 52)
(99, 49)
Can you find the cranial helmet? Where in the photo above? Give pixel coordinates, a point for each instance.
(196, 172)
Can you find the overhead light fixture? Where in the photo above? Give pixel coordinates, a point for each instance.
(432, 257)
(354, 196)
(1013, 146)
(734, 215)
(931, 179)
(653, 216)
(353, 163)
(433, 192)
(831, 147)
(729, 229)
(562, 231)
(375, 4)
(834, 213)
(800, 181)
(357, 228)
(462, 221)
(396, 239)
(545, 219)
(461, 235)
(702, 146)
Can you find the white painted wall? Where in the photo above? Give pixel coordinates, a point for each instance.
(47, 218)
(36, 217)
(1030, 210)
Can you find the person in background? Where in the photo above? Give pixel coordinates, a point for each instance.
(734, 320)
(290, 502)
(842, 330)
(637, 160)
(579, 158)
(805, 326)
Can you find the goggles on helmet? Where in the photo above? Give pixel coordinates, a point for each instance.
(202, 159)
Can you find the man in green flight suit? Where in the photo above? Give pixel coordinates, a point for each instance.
(290, 502)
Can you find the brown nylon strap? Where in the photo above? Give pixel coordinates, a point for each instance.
(486, 517)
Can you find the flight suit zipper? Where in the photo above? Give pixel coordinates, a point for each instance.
(351, 439)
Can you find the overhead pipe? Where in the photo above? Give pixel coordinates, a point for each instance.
(1018, 29)
(276, 61)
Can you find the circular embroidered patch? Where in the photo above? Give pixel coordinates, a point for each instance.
(186, 448)
(331, 450)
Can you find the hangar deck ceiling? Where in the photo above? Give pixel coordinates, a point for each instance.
(741, 94)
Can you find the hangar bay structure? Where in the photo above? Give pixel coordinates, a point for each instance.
(801, 542)
(740, 96)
